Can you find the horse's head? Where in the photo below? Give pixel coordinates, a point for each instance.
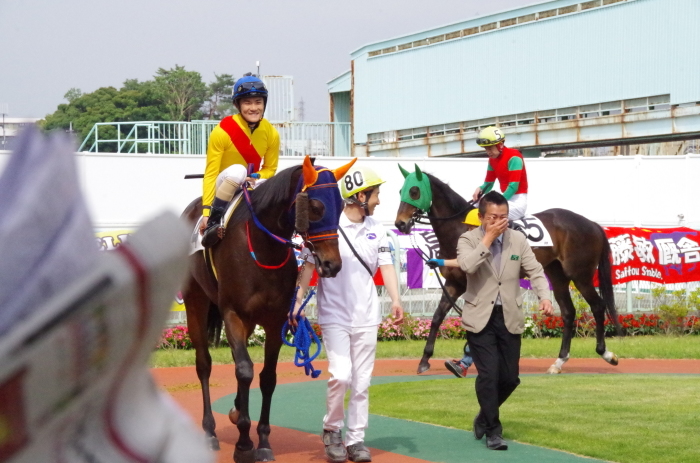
(416, 197)
(318, 214)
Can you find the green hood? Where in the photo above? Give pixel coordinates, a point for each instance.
(420, 180)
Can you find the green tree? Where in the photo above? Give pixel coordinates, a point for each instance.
(73, 94)
(219, 104)
(181, 92)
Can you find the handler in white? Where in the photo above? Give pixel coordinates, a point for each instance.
(348, 312)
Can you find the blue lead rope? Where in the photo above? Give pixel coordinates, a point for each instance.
(303, 335)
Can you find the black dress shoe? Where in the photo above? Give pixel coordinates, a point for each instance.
(496, 442)
(479, 430)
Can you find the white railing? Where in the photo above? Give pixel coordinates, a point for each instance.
(164, 137)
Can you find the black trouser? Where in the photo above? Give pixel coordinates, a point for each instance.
(496, 353)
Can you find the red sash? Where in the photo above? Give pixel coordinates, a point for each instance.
(241, 142)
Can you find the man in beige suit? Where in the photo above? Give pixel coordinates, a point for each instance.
(492, 257)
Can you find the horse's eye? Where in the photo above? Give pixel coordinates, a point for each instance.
(414, 193)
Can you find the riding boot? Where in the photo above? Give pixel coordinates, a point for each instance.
(517, 227)
(215, 230)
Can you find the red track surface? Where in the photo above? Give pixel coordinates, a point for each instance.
(295, 446)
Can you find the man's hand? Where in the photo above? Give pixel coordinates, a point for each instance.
(493, 230)
(293, 319)
(203, 225)
(476, 195)
(546, 307)
(397, 312)
(251, 180)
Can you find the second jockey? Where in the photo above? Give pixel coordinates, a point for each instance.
(238, 140)
(508, 167)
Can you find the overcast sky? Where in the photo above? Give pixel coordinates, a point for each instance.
(50, 46)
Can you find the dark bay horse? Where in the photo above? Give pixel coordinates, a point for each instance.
(580, 248)
(255, 276)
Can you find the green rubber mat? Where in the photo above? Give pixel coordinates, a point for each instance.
(301, 406)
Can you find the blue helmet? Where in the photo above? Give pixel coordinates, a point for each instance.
(249, 86)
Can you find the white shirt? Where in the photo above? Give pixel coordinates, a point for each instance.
(350, 299)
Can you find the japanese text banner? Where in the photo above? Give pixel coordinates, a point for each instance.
(661, 255)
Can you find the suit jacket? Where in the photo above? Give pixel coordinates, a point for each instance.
(484, 282)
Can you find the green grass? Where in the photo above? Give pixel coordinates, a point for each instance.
(622, 418)
(646, 347)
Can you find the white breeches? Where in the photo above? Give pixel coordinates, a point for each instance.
(351, 354)
(517, 206)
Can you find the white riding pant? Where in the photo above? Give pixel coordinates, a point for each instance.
(517, 206)
(236, 174)
(351, 353)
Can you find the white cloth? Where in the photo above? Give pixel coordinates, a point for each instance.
(517, 206)
(236, 172)
(350, 299)
(351, 354)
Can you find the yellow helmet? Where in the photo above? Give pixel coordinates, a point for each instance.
(358, 178)
(490, 136)
(472, 218)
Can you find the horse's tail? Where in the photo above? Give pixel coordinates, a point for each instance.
(214, 325)
(605, 282)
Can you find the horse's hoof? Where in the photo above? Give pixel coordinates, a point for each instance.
(611, 358)
(244, 456)
(213, 443)
(554, 370)
(423, 367)
(264, 455)
(233, 415)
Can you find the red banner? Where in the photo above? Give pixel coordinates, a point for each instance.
(661, 255)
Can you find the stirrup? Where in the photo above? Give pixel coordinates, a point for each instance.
(213, 235)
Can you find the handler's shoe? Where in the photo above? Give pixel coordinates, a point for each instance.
(496, 442)
(456, 367)
(335, 449)
(358, 452)
(479, 430)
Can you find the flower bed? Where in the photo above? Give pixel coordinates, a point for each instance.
(536, 326)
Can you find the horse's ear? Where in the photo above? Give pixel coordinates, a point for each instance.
(419, 174)
(341, 171)
(310, 173)
(404, 171)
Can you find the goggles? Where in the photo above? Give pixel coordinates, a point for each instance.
(251, 87)
(487, 142)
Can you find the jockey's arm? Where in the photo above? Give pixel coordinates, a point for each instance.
(487, 185)
(515, 172)
(271, 156)
(215, 150)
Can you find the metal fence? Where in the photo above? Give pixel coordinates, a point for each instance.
(161, 137)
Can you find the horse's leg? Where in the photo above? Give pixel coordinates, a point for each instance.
(237, 334)
(560, 286)
(197, 310)
(440, 313)
(268, 381)
(587, 290)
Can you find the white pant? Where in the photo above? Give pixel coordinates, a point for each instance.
(351, 354)
(517, 205)
(237, 174)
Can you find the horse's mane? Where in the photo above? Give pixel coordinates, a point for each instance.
(274, 191)
(455, 201)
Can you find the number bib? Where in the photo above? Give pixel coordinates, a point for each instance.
(537, 234)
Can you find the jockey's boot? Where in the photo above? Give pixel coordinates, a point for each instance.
(517, 227)
(215, 230)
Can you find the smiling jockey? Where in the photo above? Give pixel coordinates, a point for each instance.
(239, 140)
(506, 165)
